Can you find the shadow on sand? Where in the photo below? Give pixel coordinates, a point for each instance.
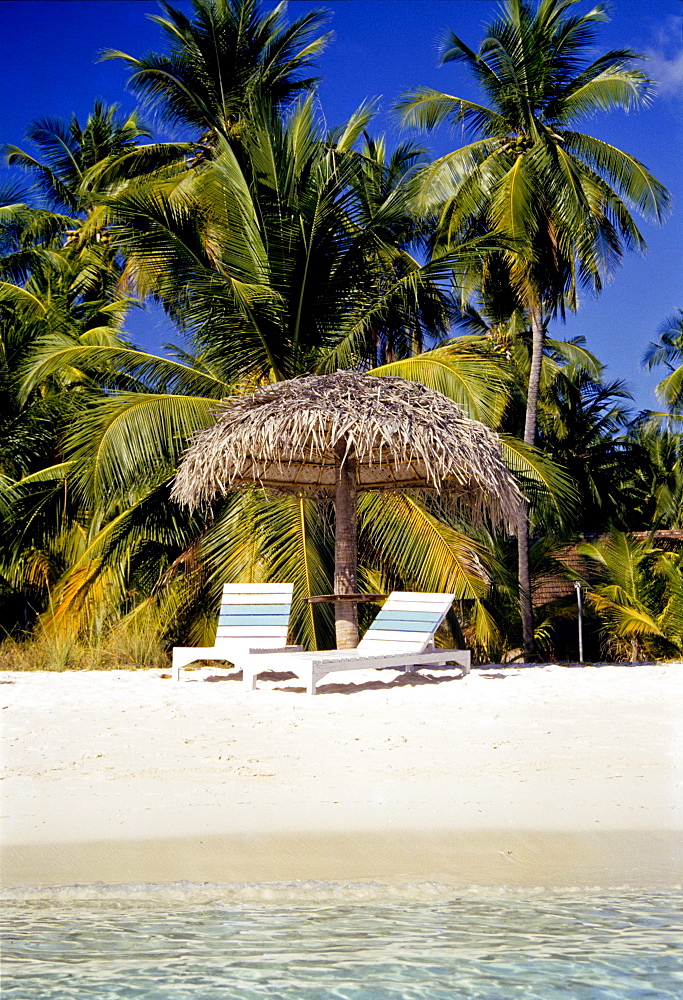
(402, 680)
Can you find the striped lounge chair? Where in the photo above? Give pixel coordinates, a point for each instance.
(401, 636)
(253, 618)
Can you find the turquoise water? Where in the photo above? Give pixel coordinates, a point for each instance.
(324, 943)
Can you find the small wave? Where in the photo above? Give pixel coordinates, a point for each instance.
(298, 892)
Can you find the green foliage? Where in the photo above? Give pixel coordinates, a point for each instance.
(560, 197)
(651, 478)
(639, 599)
(226, 65)
(273, 262)
(528, 172)
(126, 644)
(667, 350)
(278, 247)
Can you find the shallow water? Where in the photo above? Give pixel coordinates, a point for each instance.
(317, 941)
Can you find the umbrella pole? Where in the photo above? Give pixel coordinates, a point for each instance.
(345, 552)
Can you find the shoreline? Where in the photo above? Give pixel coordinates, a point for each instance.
(404, 860)
(516, 776)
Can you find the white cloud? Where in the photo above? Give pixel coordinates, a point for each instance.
(665, 58)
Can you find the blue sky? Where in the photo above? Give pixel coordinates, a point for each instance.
(381, 49)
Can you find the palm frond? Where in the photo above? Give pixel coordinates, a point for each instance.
(421, 549)
(574, 354)
(478, 380)
(539, 476)
(52, 357)
(128, 441)
(426, 108)
(266, 538)
(613, 86)
(628, 175)
(670, 390)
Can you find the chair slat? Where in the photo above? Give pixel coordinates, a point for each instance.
(406, 596)
(396, 635)
(238, 631)
(258, 588)
(408, 619)
(256, 599)
(253, 609)
(244, 643)
(421, 628)
(256, 621)
(427, 606)
(402, 627)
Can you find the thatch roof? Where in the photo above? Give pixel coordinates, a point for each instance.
(286, 437)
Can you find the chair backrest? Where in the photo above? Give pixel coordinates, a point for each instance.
(254, 614)
(407, 621)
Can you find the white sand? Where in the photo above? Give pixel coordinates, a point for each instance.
(511, 775)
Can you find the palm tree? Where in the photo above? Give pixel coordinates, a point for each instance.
(651, 485)
(77, 162)
(381, 184)
(61, 257)
(530, 175)
(60, 275)
(273, 262)
(668, 350)
(274, 268)
(227, 64)
(638, 597)
(49, 290)
(581, 418)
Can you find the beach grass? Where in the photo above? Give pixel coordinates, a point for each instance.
(128, 645)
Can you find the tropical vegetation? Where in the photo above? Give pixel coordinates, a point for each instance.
(528, 173)
(278, 247)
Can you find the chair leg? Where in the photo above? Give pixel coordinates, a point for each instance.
(248, 679)
(429, 648)
(181, 658)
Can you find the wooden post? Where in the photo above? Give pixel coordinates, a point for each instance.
(345, 551)
(579, 607)
(530, 426)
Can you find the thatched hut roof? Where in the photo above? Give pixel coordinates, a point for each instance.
(287, 437)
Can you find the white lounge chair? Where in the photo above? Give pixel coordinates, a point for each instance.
(253, 617)
(402, 635)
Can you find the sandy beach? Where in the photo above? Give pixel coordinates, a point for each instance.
(519, 776)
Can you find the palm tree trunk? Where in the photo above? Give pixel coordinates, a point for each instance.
(524, 578)
(345, 552)
(537, 340)
(530, 424)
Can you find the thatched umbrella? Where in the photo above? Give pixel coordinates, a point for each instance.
(329, 436)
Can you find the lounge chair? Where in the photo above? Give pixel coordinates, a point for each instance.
(402, 635)
(253, 617)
